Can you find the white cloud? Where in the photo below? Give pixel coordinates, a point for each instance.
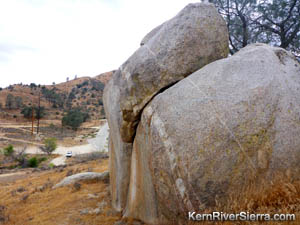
(49, 40)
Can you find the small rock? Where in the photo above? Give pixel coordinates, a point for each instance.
(21, 189)
(40, 188)
(24, 197)
(84, 211)
(96, 211)
(90, 196)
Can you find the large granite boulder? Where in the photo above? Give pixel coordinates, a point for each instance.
(196, 36)
(233, 121)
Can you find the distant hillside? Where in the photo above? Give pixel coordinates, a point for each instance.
(84, 93)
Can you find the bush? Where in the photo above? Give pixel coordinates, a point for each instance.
(50, 145)
(8, 151)
(33, 162)
(42, 159)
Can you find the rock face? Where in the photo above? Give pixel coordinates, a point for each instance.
(195, 37)
(234, 120)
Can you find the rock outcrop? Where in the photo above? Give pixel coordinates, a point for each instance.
(195, 37)
(235, 120)
(83, 177)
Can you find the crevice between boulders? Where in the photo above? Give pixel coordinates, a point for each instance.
(142, 110)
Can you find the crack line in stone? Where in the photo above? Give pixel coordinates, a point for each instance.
(225, 125)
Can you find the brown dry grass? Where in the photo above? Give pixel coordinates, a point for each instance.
(59, 206)
(282, 196)
(63, 205)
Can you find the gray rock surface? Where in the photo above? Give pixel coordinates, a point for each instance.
(196, 36)
(87, 176)
(233, 121)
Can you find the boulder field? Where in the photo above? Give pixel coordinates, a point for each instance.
(189, 126)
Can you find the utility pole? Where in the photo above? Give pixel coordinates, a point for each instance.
(32, 119)
(39, 113)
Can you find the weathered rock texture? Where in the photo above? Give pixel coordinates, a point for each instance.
(193, 38)
(231, 121)
(83, 177)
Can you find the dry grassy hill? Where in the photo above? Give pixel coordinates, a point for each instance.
(84, 92)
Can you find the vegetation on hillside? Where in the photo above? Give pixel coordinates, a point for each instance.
(38, 112)
(74, 118)
(57, 102)
(18, 158)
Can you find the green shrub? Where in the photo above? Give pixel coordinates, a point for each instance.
(33, 162)
(51, 165)
(50, 145)
(74, 118)
(8, 151)
(42, 159)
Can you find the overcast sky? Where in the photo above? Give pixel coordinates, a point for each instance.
(45, 41)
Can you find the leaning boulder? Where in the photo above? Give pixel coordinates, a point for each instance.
(233, 121)
(196, 36)
(83, 177)
(193, 38)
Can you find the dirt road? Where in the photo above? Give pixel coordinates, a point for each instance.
(99, 143)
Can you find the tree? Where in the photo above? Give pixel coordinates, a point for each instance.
(13, 102)
(18, 102)
(9, 101)
(280, 20)
(276, 22)
(50, 145)
(32, 85)
(237, 14)
(39, 113)
(74, 118)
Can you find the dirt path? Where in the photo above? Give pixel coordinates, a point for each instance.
(20, 140)
(95, 145)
